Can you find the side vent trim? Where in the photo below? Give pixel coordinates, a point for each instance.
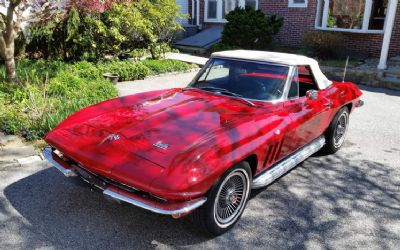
(284, 166)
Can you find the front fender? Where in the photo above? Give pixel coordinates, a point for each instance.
(194, 172)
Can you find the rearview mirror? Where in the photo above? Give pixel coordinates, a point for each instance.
(312, 94)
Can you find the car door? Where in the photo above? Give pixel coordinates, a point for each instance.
(308, 109)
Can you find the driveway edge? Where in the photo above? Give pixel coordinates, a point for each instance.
(21, 161)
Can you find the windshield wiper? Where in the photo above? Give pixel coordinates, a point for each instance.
(225, 91)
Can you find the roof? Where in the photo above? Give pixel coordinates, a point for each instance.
(272, 57)
(278, 58)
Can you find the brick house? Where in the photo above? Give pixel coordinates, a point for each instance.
(371, 27)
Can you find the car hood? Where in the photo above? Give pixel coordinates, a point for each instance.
(161, 127)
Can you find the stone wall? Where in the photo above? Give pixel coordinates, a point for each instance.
(365, 76)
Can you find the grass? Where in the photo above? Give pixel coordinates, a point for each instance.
(52, 90)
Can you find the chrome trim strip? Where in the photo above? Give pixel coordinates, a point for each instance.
(140, 204)
(48, 154)
(266, 178)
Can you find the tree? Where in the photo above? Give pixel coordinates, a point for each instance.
(12, 14)
(162, 16)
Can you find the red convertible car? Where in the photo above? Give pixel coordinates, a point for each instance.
(246, 119)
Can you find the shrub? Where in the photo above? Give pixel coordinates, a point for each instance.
(35, 72)
(323, 44)
(159, 50)
(138, 54)
(222, 47)
(166, 65)
(91, 33)
(49, 97)
(54, 90)
(126, 70)
(250, 29)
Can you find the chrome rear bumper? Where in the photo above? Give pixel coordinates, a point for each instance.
(173, 208)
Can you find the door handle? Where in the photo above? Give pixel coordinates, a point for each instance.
(328, 104)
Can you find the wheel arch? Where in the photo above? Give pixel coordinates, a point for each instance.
(349, 106)
(253, 162)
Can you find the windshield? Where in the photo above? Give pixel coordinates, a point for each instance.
(251, 80)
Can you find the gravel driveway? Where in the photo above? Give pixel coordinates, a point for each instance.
(342, 201)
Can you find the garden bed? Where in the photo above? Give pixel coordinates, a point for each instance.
(49, 91)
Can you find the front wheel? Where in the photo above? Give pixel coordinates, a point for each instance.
(225, 201)
(337, 131)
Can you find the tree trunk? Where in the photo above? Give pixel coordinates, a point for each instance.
(10, 62)
(10, 25)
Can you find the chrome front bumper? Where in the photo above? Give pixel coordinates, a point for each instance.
(48, 154)
(173, 208)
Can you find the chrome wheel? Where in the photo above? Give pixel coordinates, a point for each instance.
(231, 198)
(341, 129)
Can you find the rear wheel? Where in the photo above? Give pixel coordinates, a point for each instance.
(337, 131)
(226, 201)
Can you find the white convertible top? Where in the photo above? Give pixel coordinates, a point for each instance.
(278, 58)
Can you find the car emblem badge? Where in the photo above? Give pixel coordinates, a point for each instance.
(161, 145)
(112, 137)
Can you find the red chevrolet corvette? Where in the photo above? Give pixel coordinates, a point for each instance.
(246, 119)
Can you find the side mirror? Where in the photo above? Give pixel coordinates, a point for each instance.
(312, 94)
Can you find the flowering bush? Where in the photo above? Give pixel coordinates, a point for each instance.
(99, 6)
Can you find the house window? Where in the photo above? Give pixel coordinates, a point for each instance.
(298, 3)
(216, 10)
(378, 14)
(228, 6)
(212, 9)
(361, 16)
(251, 3)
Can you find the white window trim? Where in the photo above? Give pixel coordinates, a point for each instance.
(292, 4)
(364, 29)
(219, 18)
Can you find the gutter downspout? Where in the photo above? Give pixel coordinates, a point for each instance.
(387, 34)
(198, 14)
(193, 11)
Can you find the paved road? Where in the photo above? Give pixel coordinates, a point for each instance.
(347, 200)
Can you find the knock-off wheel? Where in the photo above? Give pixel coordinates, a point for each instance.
(226, 200)
(337, 131)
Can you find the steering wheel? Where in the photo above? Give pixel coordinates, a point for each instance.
(258, 91)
